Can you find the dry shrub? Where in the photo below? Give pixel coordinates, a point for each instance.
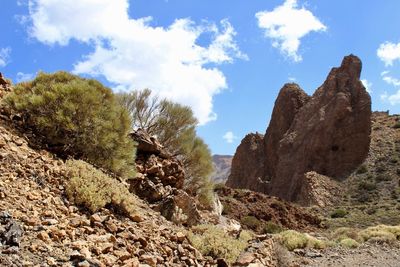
(381, 234)
(349, 243)
(93, 189)
(292, 239)
(212, 241)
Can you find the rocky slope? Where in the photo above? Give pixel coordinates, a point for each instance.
(328, 133)
(222, 168)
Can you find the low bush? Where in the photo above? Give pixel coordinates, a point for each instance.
(272, 228)
(212, 241)
(345, 233)
(93, 189)
(366, 185)
(362, 169)
(349, 243)
(293, 240)
(381, 234)
(339, 213)
(251, 222)
(77, 117)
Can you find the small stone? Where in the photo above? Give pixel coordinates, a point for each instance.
(134, 262)
(180, 236)
(148, 259)
(111, 227)
(122, 255)
(245, 259)
(44, 236)
(76, 256)
(50, 222)
(84, 263)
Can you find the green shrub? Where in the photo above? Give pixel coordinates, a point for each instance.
(251, 222)
(381, 233)
(212, 241)
(366, 185)
(293, 240)
(77, 117)
(345, 233)
(362, 169)
(349, 243)
(339, 213)
(382, 178)
(93, 189)
(272, 228)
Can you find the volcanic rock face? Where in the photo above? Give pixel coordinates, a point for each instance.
(247, 164)
(328, 133)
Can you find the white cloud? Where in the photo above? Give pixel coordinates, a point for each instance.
(286, 25)
(132, 54)
(367, 85)
(393, 99)
(389, 52)
(4, 56)
(229, 137)
(391, 80)
(22, 77)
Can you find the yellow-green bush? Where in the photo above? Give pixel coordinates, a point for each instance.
(77, 117)
(93, 189)
(381, 233)
(345, 233)
(349, 243)
(292, 239)
(212, 241)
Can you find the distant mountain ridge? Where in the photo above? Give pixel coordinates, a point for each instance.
(222, 168)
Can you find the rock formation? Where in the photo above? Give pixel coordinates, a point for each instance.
(160, 180)
(328, 133)
(248, 162)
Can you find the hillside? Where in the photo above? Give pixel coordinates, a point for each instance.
(222, 168)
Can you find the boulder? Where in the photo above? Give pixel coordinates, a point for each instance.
(328, 133)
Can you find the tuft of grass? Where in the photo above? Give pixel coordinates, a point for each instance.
(212, 241)
(292, 239)
(93, 189)
(339, 213)
(251, 222)
(362, 169)
(349, 243)
(381, 234)
(272, 228)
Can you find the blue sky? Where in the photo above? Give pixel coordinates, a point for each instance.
(226, 59)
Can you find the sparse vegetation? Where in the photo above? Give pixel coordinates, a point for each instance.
(293, 240)
(251, 222)
(77, 117)
(93, 189)
(339, 213)
(362, 169)
(349, 243)
(212, 241)
(272, 228)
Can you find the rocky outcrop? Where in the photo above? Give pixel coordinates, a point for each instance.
(290, 100)
(249, 162)
(328, 133)
(160, 180)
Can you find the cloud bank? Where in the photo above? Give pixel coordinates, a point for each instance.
(286, 25)
(389, 52)
(229, 137)
(132, 54)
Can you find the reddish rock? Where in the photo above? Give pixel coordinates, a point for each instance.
(328, 133)
(247, 164)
